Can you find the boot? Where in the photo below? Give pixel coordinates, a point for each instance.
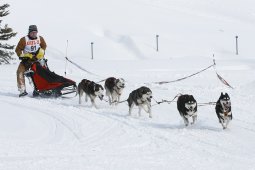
(23, 93)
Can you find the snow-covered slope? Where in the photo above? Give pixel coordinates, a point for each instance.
(61, 134)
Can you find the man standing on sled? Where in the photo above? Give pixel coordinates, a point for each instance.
(29, 49)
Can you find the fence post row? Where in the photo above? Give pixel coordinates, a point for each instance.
(157, 46)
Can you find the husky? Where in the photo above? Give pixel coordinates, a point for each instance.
(140, 97)
(113, 89)
(223, 110)
(187, 107)
(91, 90)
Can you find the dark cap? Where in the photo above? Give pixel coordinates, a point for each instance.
(32, 28)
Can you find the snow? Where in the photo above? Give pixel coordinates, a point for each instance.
(60, 134)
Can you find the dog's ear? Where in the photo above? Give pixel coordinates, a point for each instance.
(101, 87)
(121, 79)
(191, 97)
(221, 94)
(91, 84)
(97, 87)
(185, 97)
(83, 81)
(226, 94)
(145, 90)
(140, 92)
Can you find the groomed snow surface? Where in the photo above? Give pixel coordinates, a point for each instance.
(60, 134)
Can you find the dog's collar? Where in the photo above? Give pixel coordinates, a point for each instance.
(223, 108)
(227, 113)
(118, 87)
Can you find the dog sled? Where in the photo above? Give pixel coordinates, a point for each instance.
(49, 84)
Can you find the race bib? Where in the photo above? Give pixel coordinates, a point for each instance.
(32, 45)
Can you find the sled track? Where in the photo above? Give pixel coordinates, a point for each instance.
(52, 115)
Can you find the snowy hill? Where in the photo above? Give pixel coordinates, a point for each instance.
(61, 134)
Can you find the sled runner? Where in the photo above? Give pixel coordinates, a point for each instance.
(47, 83)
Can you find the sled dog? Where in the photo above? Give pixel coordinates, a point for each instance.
(140, 97)
(187, 107)
(223, 110)
(91, 90)
(113, 89)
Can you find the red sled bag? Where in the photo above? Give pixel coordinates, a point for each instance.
(47, 83)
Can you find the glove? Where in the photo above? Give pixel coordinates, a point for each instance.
(40, 54)
(26, 55)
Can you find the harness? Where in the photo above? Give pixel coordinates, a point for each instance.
(225, 112)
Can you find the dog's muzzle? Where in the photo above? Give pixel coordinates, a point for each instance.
(101, 97)
(226, 105)
(149, 98)
(123, 86)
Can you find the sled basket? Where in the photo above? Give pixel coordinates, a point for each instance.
(49, 84)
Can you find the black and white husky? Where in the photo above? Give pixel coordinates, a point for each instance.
(140, 97)
(113, 89)
(223, 110)
(187, 107)
(91, 90)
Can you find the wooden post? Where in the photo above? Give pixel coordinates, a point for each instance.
(236, 45)
(92, 57)
(157, 41)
